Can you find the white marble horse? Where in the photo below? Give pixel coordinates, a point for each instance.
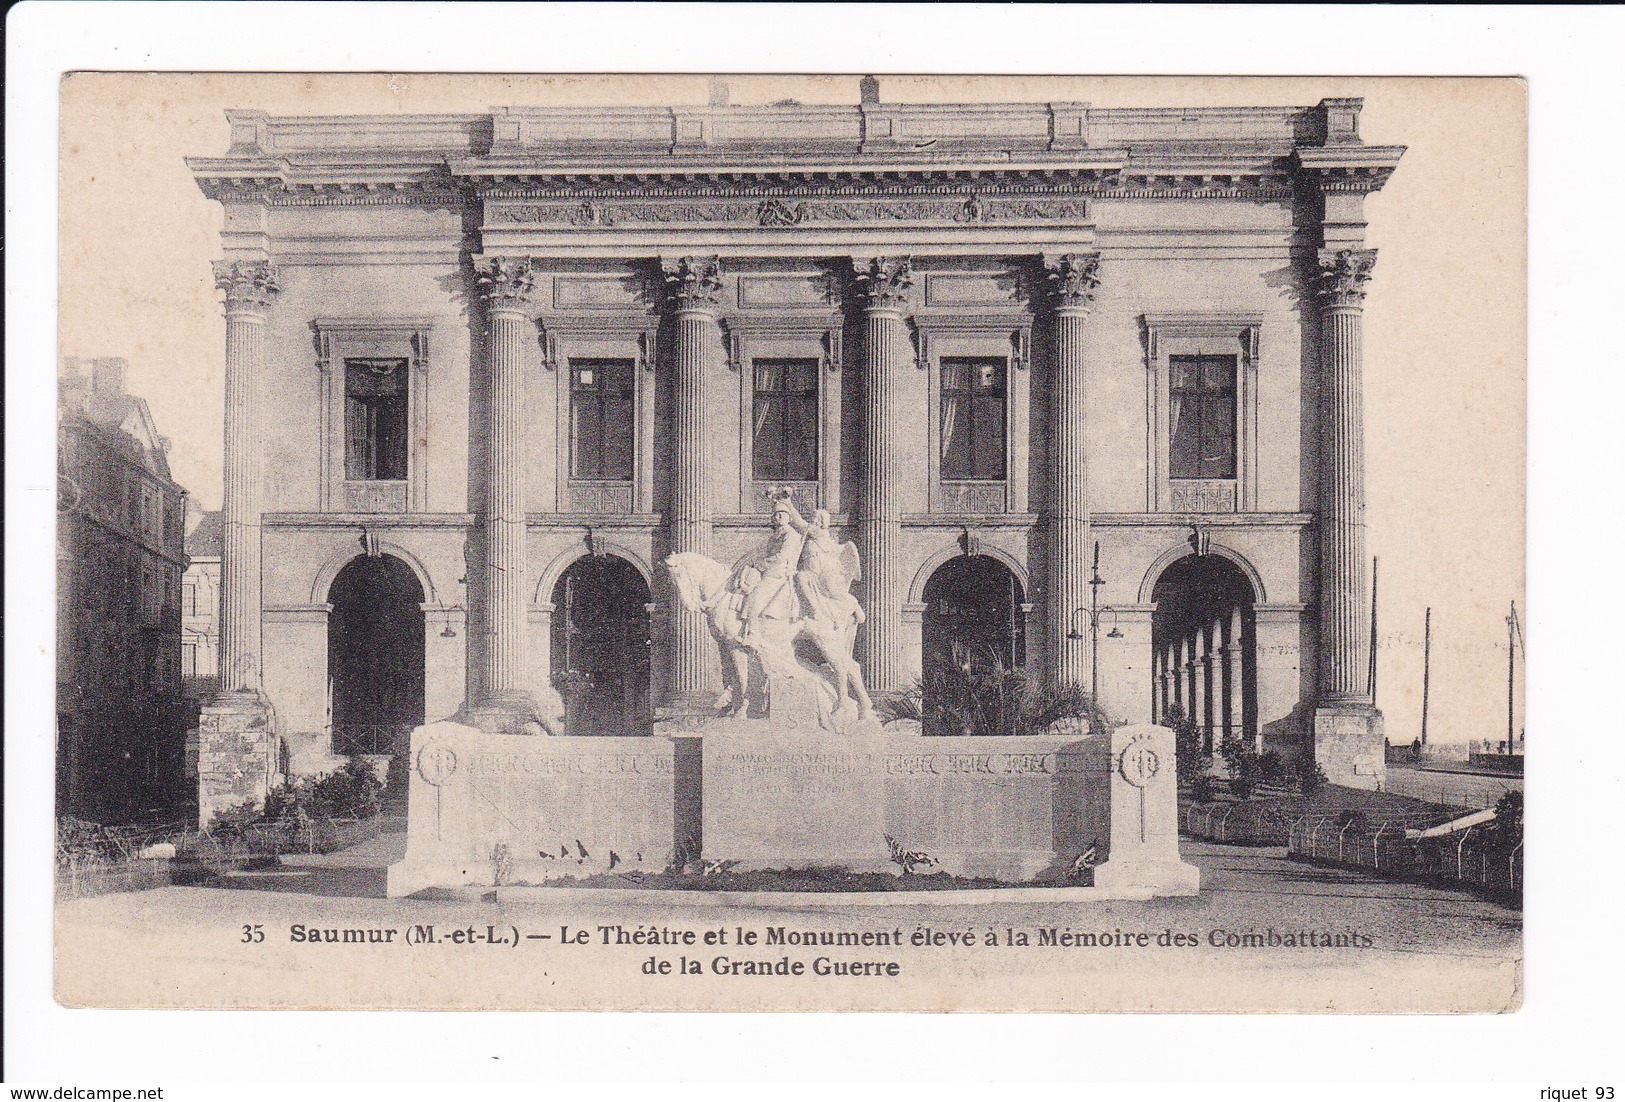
(772, 642)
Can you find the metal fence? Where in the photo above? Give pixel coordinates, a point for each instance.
(95, 860)
(371, 738)
(1480, 856)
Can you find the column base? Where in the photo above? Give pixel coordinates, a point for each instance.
(238, 753)
(516, 713)
(684, 708)
(1348, 744)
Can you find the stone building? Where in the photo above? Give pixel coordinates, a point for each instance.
(485, 371)
(120, 727)
(200, 606)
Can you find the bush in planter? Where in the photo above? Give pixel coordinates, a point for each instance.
(974, 694)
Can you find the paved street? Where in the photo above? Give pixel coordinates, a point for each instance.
(218, 947)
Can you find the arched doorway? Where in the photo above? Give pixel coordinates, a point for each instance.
(375, 656)
(973, 622)
(601, 646)
(1204, 659)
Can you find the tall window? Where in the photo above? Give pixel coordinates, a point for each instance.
(784, 421)
(973, 419)
(375, 425)
(1202, 417)
(601, 420)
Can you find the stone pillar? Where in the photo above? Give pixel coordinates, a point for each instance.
(1235, 683)
(504, 704)
(1346, 725)
(249, 287)
(1073, 280)
(1193, 697)
(884, 283)
(1205, 680)
(694, 286)
(238, 749)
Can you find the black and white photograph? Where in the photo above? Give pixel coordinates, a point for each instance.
(813, 542)
(738, 540)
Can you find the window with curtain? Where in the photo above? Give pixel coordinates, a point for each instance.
(784, 420)
(375, 422)
(601, 420)
(973, 419)
(1202, 417)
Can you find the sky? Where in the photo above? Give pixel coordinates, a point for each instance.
(1445, 321)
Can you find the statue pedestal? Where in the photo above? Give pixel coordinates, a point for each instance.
(780, 796)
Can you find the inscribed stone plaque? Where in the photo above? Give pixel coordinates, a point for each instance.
(776, 797)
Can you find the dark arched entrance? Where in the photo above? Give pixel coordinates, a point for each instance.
(375, 655)
(601, 646)
(973, 612)
(1204, 659)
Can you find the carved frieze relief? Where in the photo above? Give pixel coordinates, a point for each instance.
(784, 213)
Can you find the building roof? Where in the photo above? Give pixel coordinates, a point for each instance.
(94, 391)
(850, 145)
(203, 541)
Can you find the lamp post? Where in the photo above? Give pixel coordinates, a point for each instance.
(1095, 612)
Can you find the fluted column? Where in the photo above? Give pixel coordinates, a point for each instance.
(249, 287)
(507, 284)
(1073, 279)
(884, 284)
(694, 286)
(1344, 629)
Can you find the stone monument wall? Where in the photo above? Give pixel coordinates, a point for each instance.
(489, 809)
(1007, 808)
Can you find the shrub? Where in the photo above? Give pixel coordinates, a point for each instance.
(980, 695)
(1244, 766)
(1311, 777)
(1271, 768)
(232, 821)
(1190, 760)
(1509, 817)
(353, 791)
(1202, 789)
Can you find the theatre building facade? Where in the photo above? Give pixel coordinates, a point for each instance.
(1083, 387)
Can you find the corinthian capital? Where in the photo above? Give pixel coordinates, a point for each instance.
(883, 281)
(506, 281)
(694, 282)
(247, 284)
(1343, 276)
(1073, 279)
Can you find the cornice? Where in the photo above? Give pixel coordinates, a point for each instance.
(1352, 169)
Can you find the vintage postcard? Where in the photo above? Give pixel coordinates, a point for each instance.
(719, 542)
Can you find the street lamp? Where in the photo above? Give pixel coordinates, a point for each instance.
(1095, 612)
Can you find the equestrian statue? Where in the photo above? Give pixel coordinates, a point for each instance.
(784, 612)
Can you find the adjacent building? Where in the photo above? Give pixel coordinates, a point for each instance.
(120, 722)
(1070, 378)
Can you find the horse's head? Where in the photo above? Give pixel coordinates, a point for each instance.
(700, 581)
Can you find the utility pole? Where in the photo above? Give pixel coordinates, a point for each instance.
(1514, 636)
(1371, 669)
(1427, 662)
